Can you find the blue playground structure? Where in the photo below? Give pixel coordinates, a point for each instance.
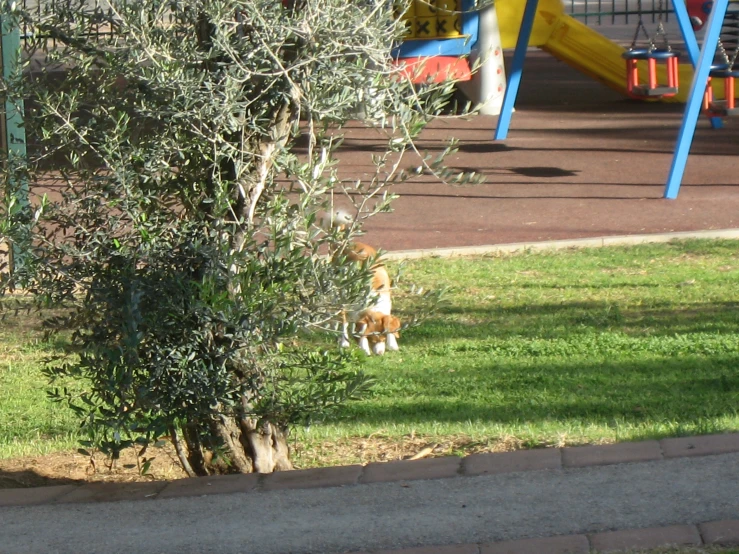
(701, 58)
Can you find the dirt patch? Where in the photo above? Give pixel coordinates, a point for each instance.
(71, 467)
(379, 448)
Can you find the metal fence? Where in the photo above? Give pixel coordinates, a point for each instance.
(614, 12)
(590, 12)
(601, 13)
(98, 29)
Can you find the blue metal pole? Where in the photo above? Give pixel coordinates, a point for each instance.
(695, 98)
(686, 28)
(514, 77)
(15, 133)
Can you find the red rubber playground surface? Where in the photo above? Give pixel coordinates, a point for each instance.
(580, 161)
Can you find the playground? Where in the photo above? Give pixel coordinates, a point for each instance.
(578, 159)
(581, 159)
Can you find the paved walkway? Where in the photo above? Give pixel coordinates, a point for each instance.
(581, 163)
(681, 491)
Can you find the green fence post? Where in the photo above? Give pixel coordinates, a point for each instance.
(14, 138)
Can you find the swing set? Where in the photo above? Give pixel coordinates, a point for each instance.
(702, 90)
(722, 75)
(652, 54)
(724, 70)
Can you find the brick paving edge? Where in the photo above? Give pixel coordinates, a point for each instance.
(593, 242)
(715, 533)
(402, 470)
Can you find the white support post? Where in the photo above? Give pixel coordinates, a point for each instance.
(488, 83)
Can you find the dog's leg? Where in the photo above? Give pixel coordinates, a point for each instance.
(390, 328)
(364, 345)
(379, 348)
(344, 338)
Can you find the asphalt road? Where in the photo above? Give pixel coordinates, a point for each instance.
(389, 515)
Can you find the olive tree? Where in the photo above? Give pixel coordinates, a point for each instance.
(188, 151)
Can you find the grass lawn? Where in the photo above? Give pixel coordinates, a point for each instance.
(30, 424)
(562, 348)
(528, 350)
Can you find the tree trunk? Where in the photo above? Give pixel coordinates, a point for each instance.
(229, 432)
(266, 445)
(181, 452)
(250, 447)
(195, 456)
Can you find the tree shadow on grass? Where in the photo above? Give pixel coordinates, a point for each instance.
(561, 320)
(666, 394)
(570, 364)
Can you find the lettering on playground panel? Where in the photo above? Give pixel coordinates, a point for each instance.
(431, 19)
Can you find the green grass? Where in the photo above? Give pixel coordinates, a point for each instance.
(30, 424)
(572, 347)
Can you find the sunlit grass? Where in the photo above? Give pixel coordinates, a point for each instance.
(30, 424)
(593, 346)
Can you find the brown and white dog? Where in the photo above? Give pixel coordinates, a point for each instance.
(374, 326)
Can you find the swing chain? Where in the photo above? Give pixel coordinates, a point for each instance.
(640, 27)
(725, 55)
(660, 32)
(729, 60)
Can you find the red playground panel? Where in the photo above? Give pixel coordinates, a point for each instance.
(435, 69)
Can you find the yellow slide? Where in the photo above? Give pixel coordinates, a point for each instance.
(575, 44)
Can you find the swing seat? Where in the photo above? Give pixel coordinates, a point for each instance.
(726, 107)
(651, 89)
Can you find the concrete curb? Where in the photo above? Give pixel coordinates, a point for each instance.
(402, 470)
(713, 533)
(595, 242)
